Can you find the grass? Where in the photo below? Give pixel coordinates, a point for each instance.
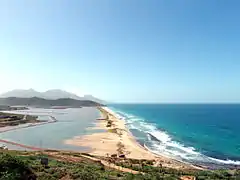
(23, 165)
(146, 167)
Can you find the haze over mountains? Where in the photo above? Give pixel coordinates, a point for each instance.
(50, 94)
(46, 103)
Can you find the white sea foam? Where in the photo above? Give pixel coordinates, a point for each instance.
(166, 145)
(226, 161)
(162, 136)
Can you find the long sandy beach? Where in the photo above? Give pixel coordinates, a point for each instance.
(118, 141)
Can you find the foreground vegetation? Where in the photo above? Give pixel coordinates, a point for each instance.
(16, 165)
(147, 167)
(20, 166)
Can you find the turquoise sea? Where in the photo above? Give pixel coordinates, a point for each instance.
(204, 134)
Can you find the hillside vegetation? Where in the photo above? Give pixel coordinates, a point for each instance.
(21, 165)
(35, 101)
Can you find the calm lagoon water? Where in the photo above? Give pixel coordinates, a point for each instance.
(204, 134)
(71, 122)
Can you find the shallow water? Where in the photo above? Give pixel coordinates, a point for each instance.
(70, 123)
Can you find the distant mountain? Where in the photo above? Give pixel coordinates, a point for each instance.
(92, 98)
(57, 94)
(22, 93)
(50, 94)
(36, 101)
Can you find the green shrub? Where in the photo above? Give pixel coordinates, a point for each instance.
(13, 167)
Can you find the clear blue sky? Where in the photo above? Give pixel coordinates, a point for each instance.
(123, 50)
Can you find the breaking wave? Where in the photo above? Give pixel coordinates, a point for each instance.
(160, 142)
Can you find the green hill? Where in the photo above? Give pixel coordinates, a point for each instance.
(20, 165)
(35, 101)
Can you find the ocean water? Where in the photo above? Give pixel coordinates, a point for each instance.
(204, 134)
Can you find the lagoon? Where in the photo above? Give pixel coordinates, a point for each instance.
(70, 123)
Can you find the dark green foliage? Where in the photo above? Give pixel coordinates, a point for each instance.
(16, 165)
(168, 173)
(14, 168)
(35, 101)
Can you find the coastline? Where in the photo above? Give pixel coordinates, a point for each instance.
(117, 140)
(27, 125)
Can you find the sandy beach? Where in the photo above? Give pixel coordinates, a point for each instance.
(118, 141)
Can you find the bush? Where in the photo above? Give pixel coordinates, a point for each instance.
(13, 167)
(26, 166)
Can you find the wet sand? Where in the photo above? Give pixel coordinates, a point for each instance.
(118, 141)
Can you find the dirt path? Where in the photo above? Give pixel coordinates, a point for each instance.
(77, 159)
(113, 166)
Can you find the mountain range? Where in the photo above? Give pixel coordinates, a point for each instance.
(40, 102)
(53, 94)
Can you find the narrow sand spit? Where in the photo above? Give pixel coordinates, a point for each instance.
(118, 140)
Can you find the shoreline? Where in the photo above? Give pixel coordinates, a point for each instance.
(118, 141)
(52, 119)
